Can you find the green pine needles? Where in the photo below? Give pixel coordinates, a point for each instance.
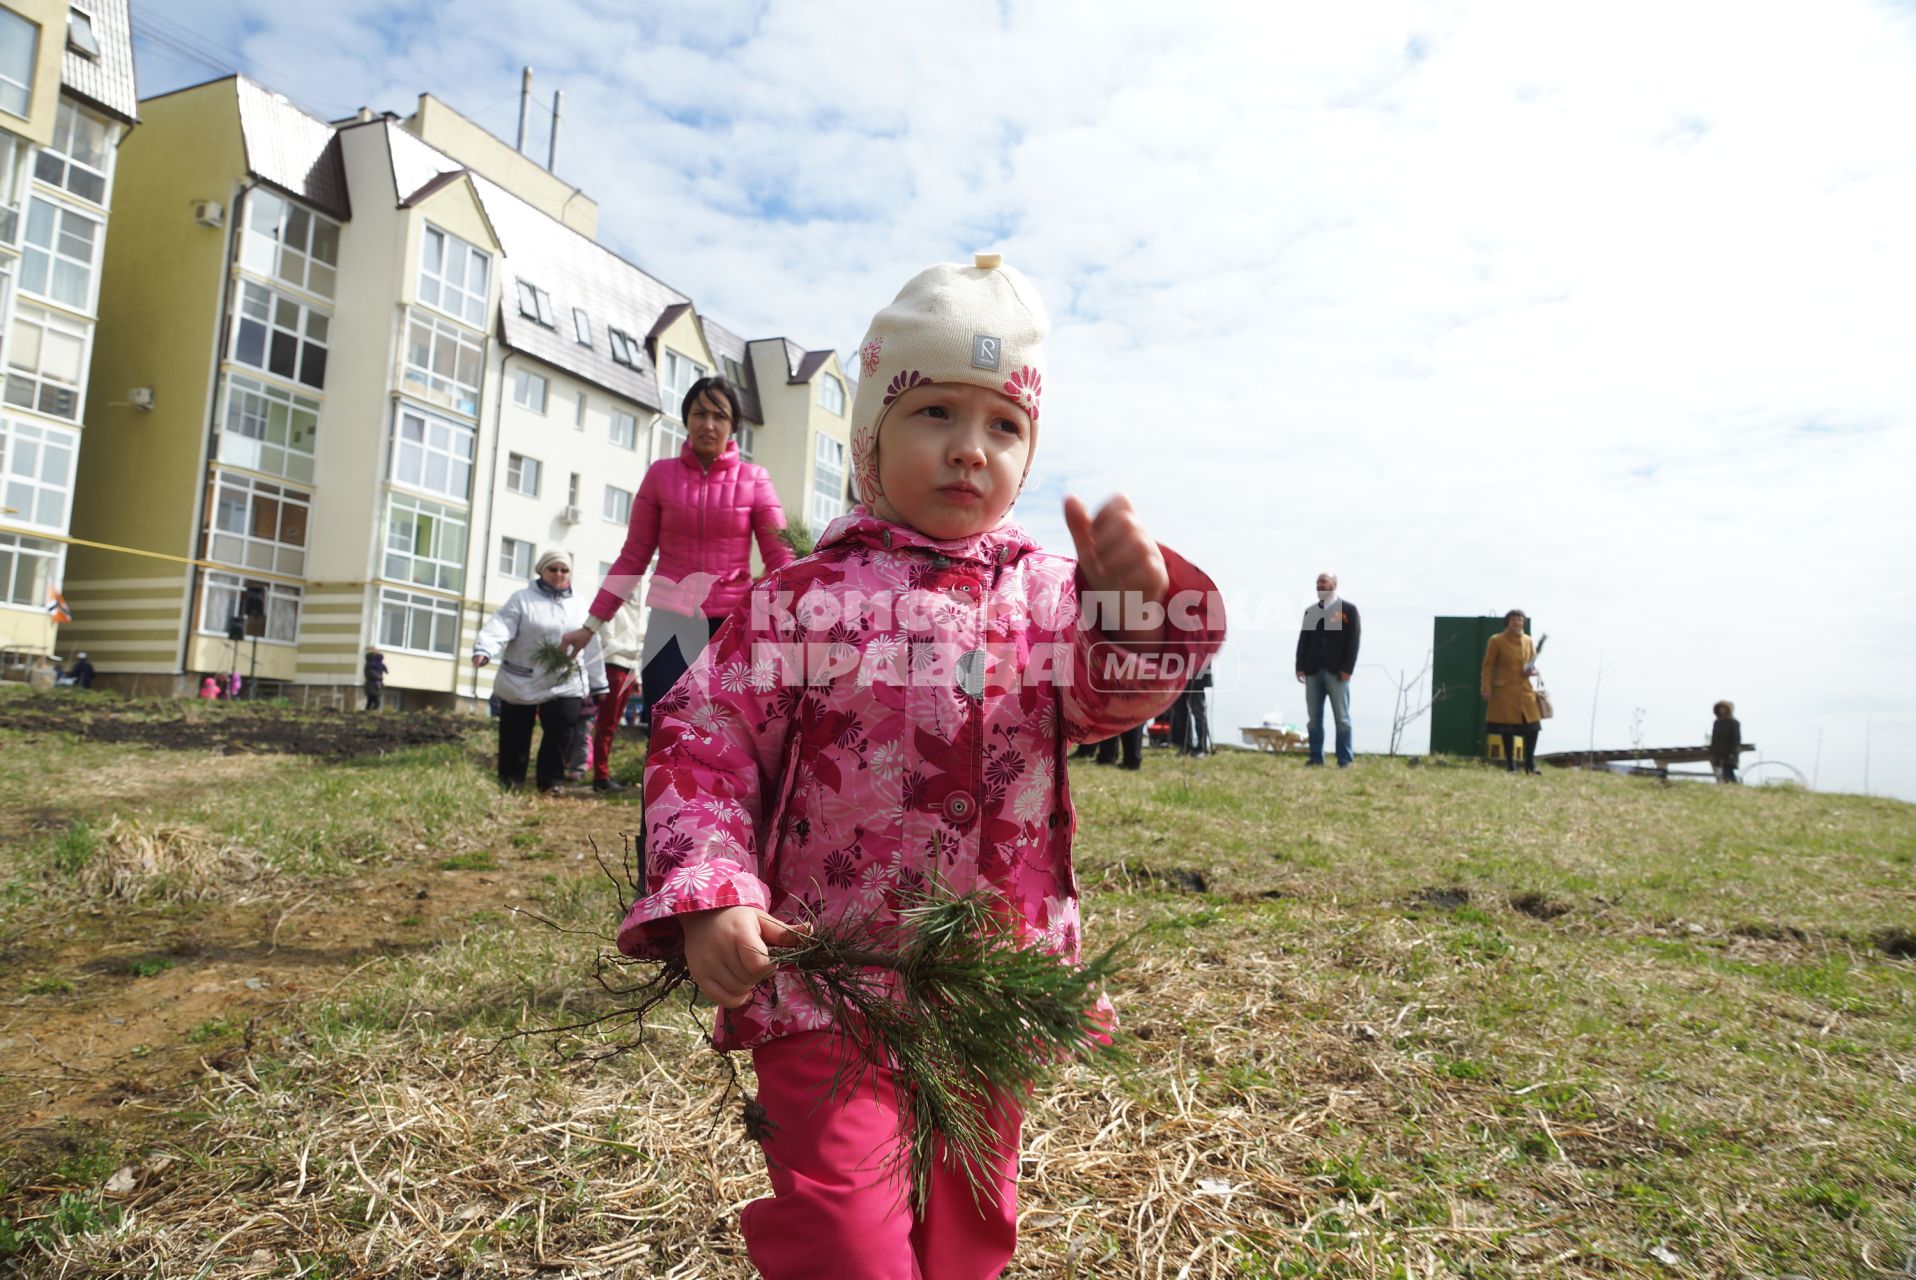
(942, 992)
(963, 1014)
(552, 659)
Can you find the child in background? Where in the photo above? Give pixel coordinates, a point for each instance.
(890, 714)
(1726, 742)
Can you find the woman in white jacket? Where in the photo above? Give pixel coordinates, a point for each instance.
(532, 684)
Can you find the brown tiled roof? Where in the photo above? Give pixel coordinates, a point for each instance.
(666, 319)
(809, 366)
(108, 81)
(292, 149)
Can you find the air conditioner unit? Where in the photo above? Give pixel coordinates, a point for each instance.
(208, 213)
(570, 515)
(140, 397)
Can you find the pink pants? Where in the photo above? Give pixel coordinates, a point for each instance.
(840, 1208)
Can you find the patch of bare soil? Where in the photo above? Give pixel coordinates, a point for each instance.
(185, 726)
(130, 1003)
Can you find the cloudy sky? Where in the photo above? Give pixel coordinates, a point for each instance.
(1602, 312)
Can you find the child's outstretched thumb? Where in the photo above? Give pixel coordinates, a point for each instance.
(1077, 518)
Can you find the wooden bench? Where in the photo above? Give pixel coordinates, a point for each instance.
(1662, 757)
(1273, 740)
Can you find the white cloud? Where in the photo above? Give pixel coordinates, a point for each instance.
(1605, 314)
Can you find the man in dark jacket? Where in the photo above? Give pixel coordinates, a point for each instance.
(81, 672)
(375, 679)
(1190, 723)
(1326, 657)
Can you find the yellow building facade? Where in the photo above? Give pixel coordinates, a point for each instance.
(67, 99)
(382, 379)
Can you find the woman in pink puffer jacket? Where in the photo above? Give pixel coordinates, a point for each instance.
(700, 512)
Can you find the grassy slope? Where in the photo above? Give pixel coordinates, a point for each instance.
(1688, 1054)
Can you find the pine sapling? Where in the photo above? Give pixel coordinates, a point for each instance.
(551, 658)
(946, 991)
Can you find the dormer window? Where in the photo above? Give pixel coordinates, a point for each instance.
(80, 37)
(582, 326)
(536, 304)
(624, 350)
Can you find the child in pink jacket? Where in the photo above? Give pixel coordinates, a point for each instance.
(895, 710)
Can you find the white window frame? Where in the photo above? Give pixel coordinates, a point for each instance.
(273, 255)
(734, 371)
(616, 506)
(624, 431)
(517, 474)
(35, 383)
(438, 617)
(56, 164)
(440, 566)
(17, 27)
(37, 466)
(248, 550)
(261, 428)
(514, 564)
(309, 331)
(578, 414)
(432, 454)
(582, 326)
(672, 436)
(47, 259)
(282, 605)
(455, 298)
(673, 384)
(826, 502)
(32, 594)
(441, 338)
(831, 394)
(747, 436)
(524, 382)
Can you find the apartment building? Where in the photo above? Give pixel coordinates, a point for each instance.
(389, 364)
(67, 99)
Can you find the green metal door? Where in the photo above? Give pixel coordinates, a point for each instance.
(1456, 670)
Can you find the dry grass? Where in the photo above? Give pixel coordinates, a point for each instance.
(1392, 1024)
(134, 861)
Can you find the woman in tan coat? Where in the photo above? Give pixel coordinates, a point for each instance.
(1508, 665)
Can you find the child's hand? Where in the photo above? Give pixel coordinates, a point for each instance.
(726, 950)
(1116, 554)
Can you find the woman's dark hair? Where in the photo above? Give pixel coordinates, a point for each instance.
(1723, 709)
(1515, 613)
(718, 387)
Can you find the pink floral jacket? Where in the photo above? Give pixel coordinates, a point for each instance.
(887, 713)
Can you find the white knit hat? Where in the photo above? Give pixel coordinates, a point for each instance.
(983, 324)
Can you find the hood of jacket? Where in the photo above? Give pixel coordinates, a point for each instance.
(992, 547)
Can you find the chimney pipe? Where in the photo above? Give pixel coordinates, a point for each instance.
(552, 147)
(525, 103)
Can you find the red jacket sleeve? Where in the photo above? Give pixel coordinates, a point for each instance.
(641, 540)
(714, 771)
(1113, 688)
